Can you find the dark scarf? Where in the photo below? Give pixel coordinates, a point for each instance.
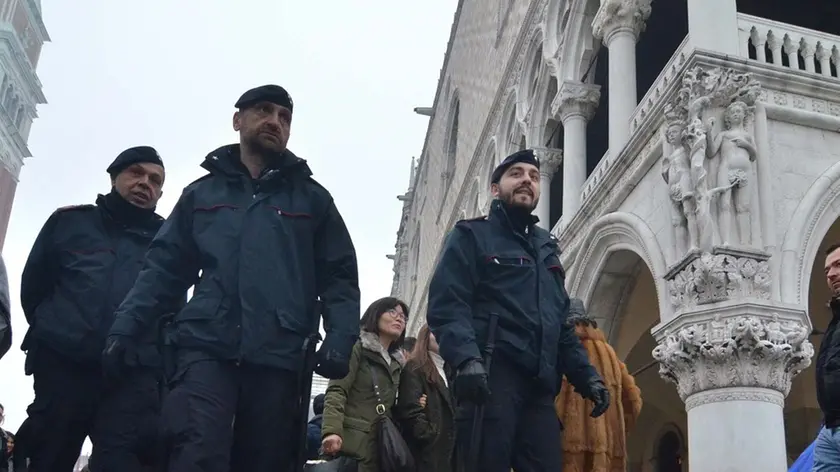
(123, 211)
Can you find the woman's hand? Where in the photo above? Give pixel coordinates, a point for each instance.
(331, 444)
(423, 400)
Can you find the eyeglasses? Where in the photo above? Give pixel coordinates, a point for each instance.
(393, 313)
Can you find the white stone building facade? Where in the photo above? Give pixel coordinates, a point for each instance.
(22, 35)
(691, 173)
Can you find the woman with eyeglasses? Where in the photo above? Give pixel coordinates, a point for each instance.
(353, 403)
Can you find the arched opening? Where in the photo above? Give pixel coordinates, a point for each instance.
(452, 141)
(509, 138)
(624, 303)
(669, 453)
(802, 413)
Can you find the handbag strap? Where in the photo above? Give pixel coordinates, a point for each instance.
(380, 405)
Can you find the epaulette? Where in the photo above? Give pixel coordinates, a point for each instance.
(85, 206)
(470, 220)
(203, 177)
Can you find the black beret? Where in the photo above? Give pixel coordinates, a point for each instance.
(138, 154)
(525, 156)
(266, 93)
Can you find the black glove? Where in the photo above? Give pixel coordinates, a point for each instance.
(333, 358)
(120, 354)
(471, 383)
(596, 391)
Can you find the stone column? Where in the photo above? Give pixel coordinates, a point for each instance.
(550, 160)
(618, 24)
(713, 25)
(732, 355)
(575, 103)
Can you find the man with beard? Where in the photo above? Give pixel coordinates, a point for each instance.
(268, 243)
(82, 264)
(503, 265)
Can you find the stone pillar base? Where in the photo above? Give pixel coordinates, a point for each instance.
(736, 429)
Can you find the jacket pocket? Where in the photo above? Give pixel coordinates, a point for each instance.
(356, 439)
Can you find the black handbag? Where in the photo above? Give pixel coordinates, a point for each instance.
(339, 464)
(394, 454)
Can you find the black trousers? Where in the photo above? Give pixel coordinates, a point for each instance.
(72, 402)
(520, 428)
(222, 417)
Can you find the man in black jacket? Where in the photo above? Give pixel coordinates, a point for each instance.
(827, 445)
(268, 243)
(81, 266)
(504, 265)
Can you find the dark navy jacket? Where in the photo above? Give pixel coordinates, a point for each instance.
(83, 263)
(828, 370)
(266, 249)
(487, 267)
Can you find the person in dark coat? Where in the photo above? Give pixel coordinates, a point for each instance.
(426, 409)
(313, 428)
(504, 265)
(82, 264)
(5, 311)
(263, 243)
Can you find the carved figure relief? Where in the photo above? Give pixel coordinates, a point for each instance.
(744, 351)
(720, 164)
(718, 276)
(735, 148)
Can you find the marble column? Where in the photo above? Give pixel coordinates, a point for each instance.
(618, 24)
(576, 104)
(550, 160)
(733, 366)
(713, 25)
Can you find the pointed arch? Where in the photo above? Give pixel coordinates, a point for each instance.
(579, 44)
(611, 233)
(510, 128)
(816, 212)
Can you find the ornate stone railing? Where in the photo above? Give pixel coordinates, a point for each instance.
(789, 46)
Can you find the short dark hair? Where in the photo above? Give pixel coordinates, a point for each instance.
(370, 320)
(318, 404)
(832, 248)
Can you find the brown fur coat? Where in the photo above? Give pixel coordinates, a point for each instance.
(598, 444)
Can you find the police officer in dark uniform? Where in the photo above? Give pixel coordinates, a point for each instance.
(268, 242)
(82, 265)
(504, 265)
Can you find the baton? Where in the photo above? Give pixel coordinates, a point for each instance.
(478, 418)
(305, 385)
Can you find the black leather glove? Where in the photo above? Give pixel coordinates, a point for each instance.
(333, 358)
(599, 394)
(471, 383)
(120, 354)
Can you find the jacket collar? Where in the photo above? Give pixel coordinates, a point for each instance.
(226, 161)
(370, 341)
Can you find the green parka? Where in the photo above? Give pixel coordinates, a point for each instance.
(350, 403)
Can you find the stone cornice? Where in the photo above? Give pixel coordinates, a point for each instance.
(36, 19)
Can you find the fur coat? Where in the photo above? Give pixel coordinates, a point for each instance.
(598, 444)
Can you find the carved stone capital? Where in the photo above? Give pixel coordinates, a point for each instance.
(739, 347)
(576, 99)
(722, 274)
(620, 15)
(550, 160)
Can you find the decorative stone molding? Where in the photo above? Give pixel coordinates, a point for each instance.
(620, 15)
(719, 275)
(759, 351)
(735, 394)
(576, 98)
(550, 160)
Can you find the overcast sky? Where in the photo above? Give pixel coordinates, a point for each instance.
(162, 73)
